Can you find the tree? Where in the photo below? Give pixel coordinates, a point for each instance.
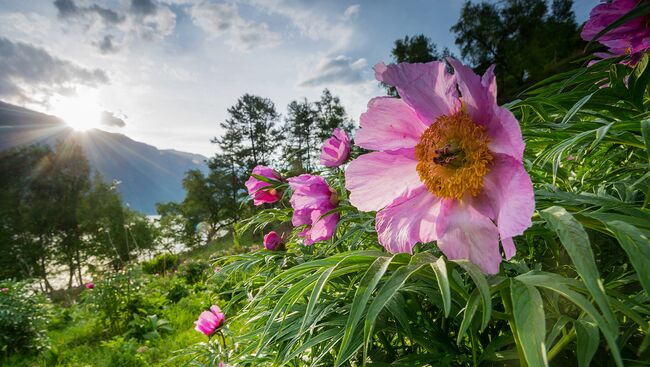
(251, 130)
(300, 146)
(330, 114)
(525, 39)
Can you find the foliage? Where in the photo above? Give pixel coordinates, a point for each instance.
(520, 37)
(24, 315)
(195, 271)
(161, 264)
(575, 294)
(148, 328)
(120, 297)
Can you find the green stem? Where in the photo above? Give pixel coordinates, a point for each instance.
(507, 305)
(557, 348)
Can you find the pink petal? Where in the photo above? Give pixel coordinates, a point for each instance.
(376, 179)
(407, 221)
(322, 228)
(505, 134)
(508, 247)
(464, 233)
(479, 100)
(389, 124)
(509, 191)
(428, 88)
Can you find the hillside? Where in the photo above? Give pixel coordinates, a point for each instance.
(148, 175)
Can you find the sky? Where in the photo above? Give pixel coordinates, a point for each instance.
(164, 72)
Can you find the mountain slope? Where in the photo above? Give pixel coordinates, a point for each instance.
(148, 175)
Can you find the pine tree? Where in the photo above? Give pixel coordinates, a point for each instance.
(330, 114)
(300, 148)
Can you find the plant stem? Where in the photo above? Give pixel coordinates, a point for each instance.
(507, 305)
(557, 348)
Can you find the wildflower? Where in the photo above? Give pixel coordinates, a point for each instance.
(157, 275)
(447, 167)
(90, 285)
(312, 199)
(4, 290)
(570, 157)
(272, 241)
(631, 38)
(217, 269)
(336, 149)
(209, 321)
(257, 188)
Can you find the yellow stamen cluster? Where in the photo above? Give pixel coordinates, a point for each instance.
(453, 156)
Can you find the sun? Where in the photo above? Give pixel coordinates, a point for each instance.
(81, 112)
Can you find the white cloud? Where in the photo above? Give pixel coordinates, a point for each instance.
(224, 20)
(352, 11)
(31, 75)
(311, 22)
(337, 70)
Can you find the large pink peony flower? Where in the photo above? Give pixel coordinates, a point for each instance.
(272, 241)
(257, 188)
(312, 198)
(335, 149)
(447, 167)
(209, 321)
(631, 38)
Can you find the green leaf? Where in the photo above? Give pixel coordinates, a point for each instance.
(576, 242)
(388, 291)
(645, 131)
(315, 294)
(560, 285)
(576, 107)
(481, 283)
(637, 247)
(367, 285)
(528, 314)
(587, 338)
(468, 315)
(440, 268)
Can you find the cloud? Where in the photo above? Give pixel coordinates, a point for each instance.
(106, 45)
(352, 11)
(110, 119)
(311, 21)
(29, 74)
(146, 19)
(224, 20)
(69, 9)
(144, 7)
(338, 70)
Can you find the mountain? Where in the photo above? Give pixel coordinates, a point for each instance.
(148, 175)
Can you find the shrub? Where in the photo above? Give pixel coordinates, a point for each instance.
(124, 353)
(195, 272)
(24, 315)
(161, 264)
(177, 291)
(121, 296)
(148, 328)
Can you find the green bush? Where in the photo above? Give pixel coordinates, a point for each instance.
(195, 272)
(124, 353)
(148, 328)
(119, 297)
(161, 264)
(177, 291)
(24, 315)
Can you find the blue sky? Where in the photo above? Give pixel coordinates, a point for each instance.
(166, 71)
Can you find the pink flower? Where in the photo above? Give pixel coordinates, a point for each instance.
(272, 241)
(256, 187)
(631, 38)
(90, 285)
(217, 269)
(336, 149)
(312, 198)
(4, 290)
(447, 167)
(209, 321)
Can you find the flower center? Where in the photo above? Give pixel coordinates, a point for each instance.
(453, 156)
